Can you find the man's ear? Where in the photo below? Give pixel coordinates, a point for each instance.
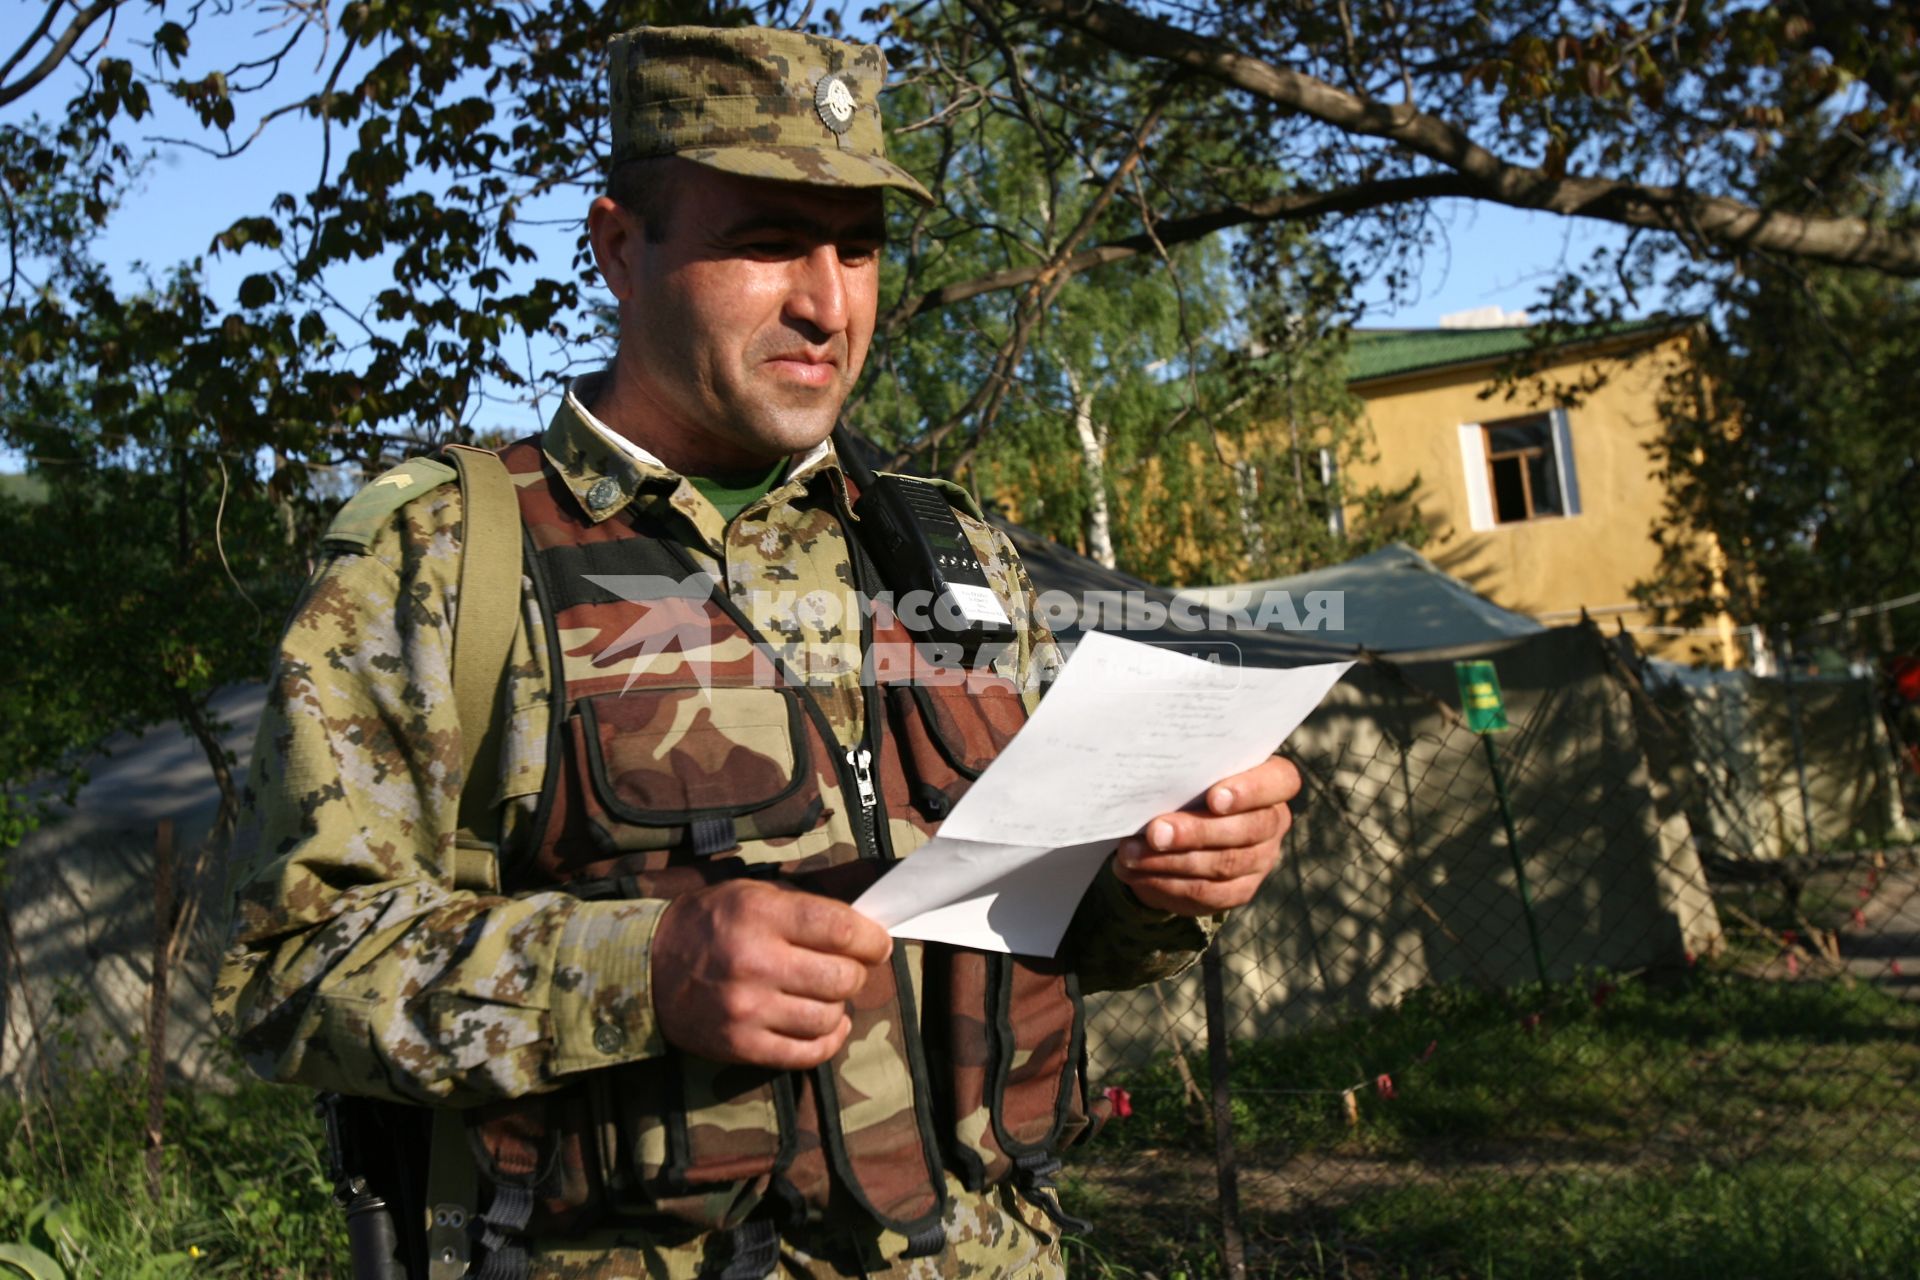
(616, 235)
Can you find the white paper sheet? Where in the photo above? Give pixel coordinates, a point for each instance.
(1025, 908)
(1128, 732)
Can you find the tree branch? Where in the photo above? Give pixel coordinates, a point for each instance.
(39, 33)
(1730, 223)
(68, 38)
(1293, 206)
(1048, 279)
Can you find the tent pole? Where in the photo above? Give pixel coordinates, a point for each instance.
(1226, 1163)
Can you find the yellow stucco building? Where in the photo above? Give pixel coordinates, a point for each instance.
(1542, 499)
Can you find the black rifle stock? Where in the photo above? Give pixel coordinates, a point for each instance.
(376, 1161)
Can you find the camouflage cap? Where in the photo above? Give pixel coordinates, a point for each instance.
(754, 101)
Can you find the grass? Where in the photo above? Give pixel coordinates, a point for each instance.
(242, 1192)
(1764, 1218)
(1717, 1127)
(1753, 1222)
(1603, 1060)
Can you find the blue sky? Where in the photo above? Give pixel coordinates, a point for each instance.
(1491, 255)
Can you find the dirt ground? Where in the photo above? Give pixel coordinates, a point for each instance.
(1872, 916)
(1326, 1179)
(1886, 951)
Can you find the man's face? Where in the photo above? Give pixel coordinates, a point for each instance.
(742, 330)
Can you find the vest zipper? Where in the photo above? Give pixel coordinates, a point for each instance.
(856, 777)
(879, 838)
(860, 759)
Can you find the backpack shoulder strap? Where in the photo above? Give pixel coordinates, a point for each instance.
(488, 614)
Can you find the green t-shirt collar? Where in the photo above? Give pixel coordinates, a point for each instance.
(733, 492)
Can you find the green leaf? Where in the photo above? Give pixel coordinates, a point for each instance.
(258, 290)
(256, 230)
(58, 1222)
(24, 1259)
(171, 39)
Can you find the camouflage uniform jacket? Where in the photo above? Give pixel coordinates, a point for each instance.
(356, 964)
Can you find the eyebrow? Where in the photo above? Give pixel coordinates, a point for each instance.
(811, 228)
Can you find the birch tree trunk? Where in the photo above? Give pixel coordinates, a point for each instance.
(1246, 478)
(1093, 456)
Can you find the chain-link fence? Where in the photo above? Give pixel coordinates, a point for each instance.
(1657, 1018)
(1642, 1024)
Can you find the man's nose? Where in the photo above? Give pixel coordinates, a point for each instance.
(819, 294)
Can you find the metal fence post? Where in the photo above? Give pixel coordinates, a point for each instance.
(1513, 851)
(1233, 1244)
(157, 997)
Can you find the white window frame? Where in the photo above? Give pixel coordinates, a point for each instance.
(1473, 460)
(1473, 457)
(1563, 462)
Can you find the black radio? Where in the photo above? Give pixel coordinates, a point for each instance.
(940, 589)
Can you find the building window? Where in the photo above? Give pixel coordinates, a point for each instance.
(1519, 469)
(1521, 473)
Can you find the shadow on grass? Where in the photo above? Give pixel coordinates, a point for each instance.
(1706, 1058)
(1761, 1221)
(1713, 1126)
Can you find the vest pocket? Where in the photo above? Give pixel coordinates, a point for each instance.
(960, 996)
(547, 1147)
(1014, 1078)
(663, 763)
(675, 1136)
(728, 1137)
(950, 732)
(1038, 1073)
(875, 1115)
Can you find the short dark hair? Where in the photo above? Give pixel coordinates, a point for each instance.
(644, 188)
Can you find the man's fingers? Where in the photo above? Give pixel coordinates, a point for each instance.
(801, 1019)
(1195, 897)
(765, 1048)
(816, 975)
(1203, 864)
(821, 924)
(1274, 780)
(1179, 832)
(747, 972)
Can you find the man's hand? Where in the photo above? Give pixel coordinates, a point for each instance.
(1195, 864)
(750, 972)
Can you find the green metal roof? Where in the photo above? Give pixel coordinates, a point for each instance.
(1386, 353)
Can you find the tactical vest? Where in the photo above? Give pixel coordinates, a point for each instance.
(686, 752)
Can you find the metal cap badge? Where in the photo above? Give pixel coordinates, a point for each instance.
(754, 101)
(833, 99)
